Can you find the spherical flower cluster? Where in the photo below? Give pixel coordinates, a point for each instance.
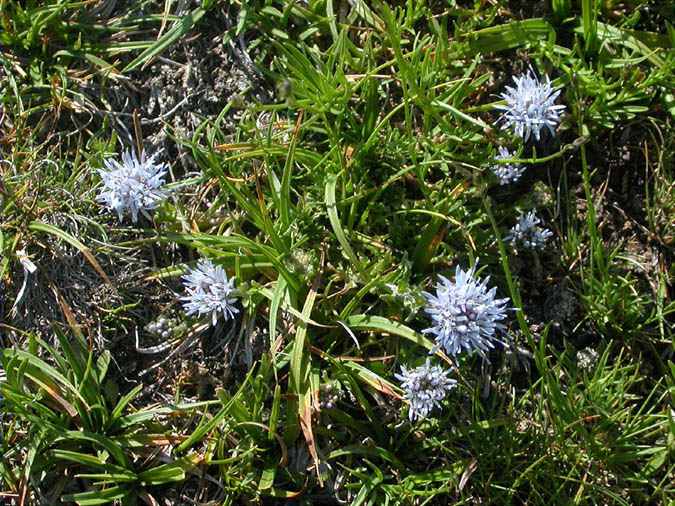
(209, 291)
(164, 327)
(530, 106)
(132, 186)
(425, 387)
(506, 172)
(528, 232)
(330, 395)
(586, 359)
(465, 314)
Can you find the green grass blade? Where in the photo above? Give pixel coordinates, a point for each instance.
(41, 371)
(104, 442)
(461, 115)
(277, 298)
(589, 17)
(285, 197)
(124, 401)
(299, 384)
(182, 27)
(204, 428)
(428, 244)
(236, 243)
(510, 35)
(50, 229)
(503, 256)
(381, 324)
(166, 473)
(86, 460)
(334, 219)
(561, 9)
(373, 379)
(96, 497)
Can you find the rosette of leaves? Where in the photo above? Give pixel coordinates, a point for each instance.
(63, 417)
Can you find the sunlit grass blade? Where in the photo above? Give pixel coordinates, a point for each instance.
(381, 324)
(50, 229)
(373, 380)
(285, 197)
(181, 28)
(510, 35)
(334, 219)
(237, 243)
(589, 16)
(96, 497)
(300, 367)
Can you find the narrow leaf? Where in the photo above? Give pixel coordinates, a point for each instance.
(379, 323)
(176, 32)
(335, 220)
(49, 229)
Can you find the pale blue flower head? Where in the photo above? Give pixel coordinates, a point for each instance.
(528, 232)
(425, 387)
(209, 291)
(133, 186)
(465, 314)
(506, 172)
(530, 106)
